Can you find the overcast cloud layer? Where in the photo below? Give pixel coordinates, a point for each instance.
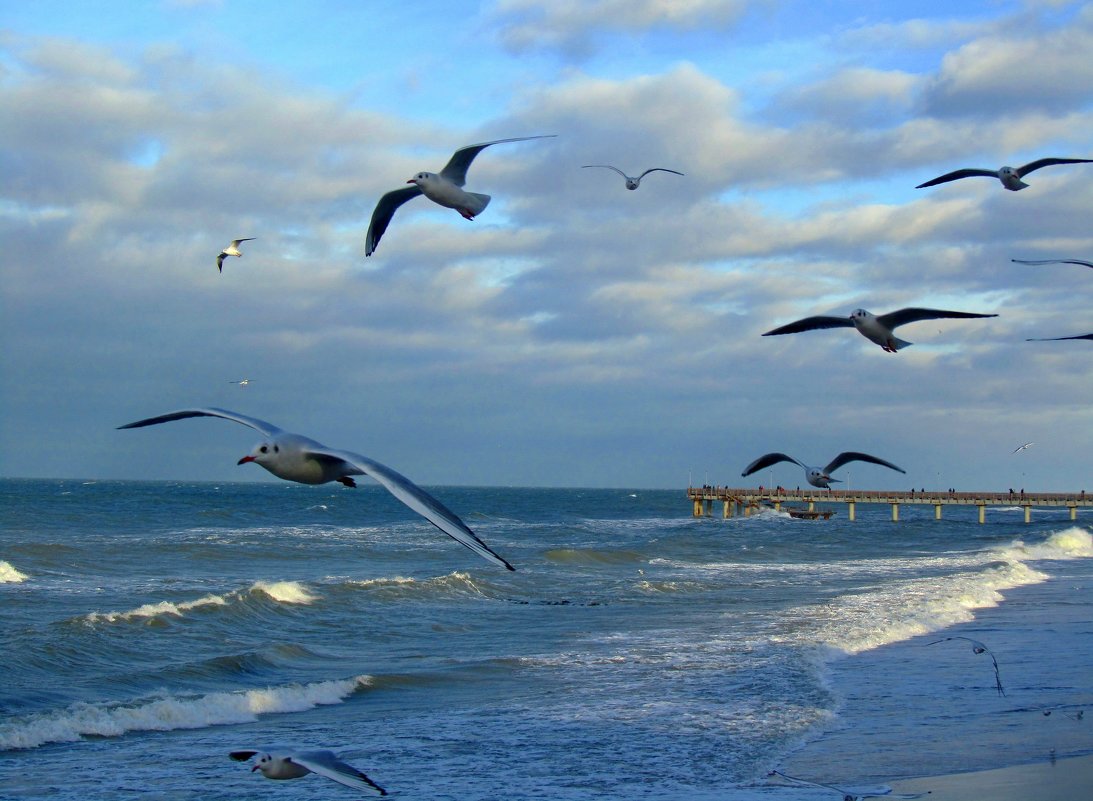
(575, 334)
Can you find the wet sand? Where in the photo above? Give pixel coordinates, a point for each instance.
(1068, 779)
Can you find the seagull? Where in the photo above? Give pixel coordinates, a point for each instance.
(1009, 176)
(1053, 261)
(231, 250)
(979, 648)
(288, 764)
(853, 793)
(1056, 339)
(444, 188)
(631, 183)
(1023, 447)
(1079, 715)
(295, 457)
(818, 477)
(241, 382)
(875, 328)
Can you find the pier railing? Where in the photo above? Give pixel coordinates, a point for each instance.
(747, 500)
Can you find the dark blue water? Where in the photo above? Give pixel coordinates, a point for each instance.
(148, 628)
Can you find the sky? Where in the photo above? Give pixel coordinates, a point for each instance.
(575, 334)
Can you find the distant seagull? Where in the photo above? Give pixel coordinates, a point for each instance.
(817, 477)
(1057, 339)
(444, 188)
(1010, 177)
(289, 764)
(295, 457)
(231, 250)
(631, 183)
(1023, 447)
(979, 648)
(1053, 261)
(1079, 715)
(875, 328)
(241, 382)
(851, 793)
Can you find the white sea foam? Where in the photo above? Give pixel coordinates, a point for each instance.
(286, 592)
(901, 609)
(172, 712)
(9, 575)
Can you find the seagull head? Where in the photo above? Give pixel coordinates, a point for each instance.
(263, 763)
(859, 316)
(423, 178)
(632, 183)
(1011, 179)
(818, 478)
(264, 453)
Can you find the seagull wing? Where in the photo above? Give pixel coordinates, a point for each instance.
(267, 429)
(326, 764)
(243, 754)
(1035, 165)
(382, 214)
(811, 324)
(456, 168)
(220, 262)
(607, 167)
(855, 456)
(414, 497)
(658, 169)
(957, 175)
(904, 316)
(235, 242)
(1053, 261)
(766, 460)
(1057, 339)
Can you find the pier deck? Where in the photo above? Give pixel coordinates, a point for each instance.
(747, 500)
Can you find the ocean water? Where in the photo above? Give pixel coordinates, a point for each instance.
(147, 628)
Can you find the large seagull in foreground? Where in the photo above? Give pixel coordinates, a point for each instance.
(1009, 176)
(444, 188)
(295, 457)
(875, 328)
(816, 476)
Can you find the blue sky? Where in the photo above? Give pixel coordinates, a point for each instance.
(575, 334)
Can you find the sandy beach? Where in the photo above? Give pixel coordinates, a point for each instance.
(1068, 779)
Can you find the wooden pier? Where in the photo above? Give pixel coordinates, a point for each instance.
(745, 501)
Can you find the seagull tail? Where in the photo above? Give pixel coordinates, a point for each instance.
(899, 344)
(477, 203)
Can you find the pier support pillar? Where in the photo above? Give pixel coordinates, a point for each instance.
(708, 503)
(850, 507)
(811, 506)
(727, 511)
(697, 512)
(1073, 512)
(937, 511)
(982, 513)
(777, 506)
(895, 512)
(1028, 514)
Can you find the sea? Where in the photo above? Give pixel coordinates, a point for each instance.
(637, 652)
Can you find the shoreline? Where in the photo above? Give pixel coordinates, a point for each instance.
(1062, 779)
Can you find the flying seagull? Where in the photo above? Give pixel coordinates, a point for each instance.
(295, 457)
(241, 382)
(231, 250)
(978, 648)
(851, 793)
(875, 328)
(1056, 339)
(445, 188)
(1053, 261)
(1023, 447)
(1009, 176)
(288, 764)
(818, 477)
(631, 183)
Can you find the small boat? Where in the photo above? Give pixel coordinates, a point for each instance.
(808, 514)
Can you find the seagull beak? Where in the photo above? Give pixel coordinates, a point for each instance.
(410, 181)
(254, 767)
(244, 460)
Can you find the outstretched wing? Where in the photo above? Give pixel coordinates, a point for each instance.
(904, 316)
(958, 174)
(326, 764)
(268, 429)
(1057, 339)
(456, 168)
(766, 460)
(658, 169)
(1053, 261)
(243, 754)
(235, 242)
(1035, 165)
(382, 214)
(811, 324)
(606, 167)
(855, 456)
(416, 498)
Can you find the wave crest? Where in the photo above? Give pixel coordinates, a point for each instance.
(9, 575)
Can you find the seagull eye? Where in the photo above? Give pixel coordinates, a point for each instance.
(276, 449)
(264, 449)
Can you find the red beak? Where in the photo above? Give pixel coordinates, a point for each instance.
(245, 459)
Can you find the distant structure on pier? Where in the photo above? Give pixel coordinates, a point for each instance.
(746, 501)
